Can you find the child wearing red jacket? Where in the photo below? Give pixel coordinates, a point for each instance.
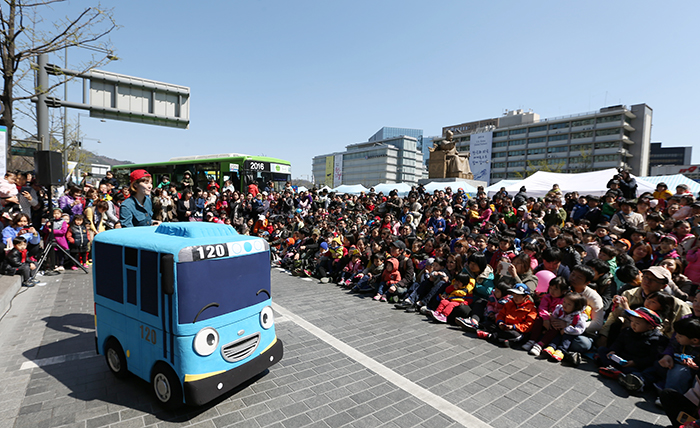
(390, 277)
(458, 293)
(516, 317)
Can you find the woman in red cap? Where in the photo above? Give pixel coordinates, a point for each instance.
(137, 209)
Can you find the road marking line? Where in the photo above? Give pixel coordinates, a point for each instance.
(307, 279)
(57, 360)
(412, 388)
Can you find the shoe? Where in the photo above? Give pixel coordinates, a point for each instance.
(439, 317)
(40, 284)
(89, 263)
(536, 350)
(528, 345)
(424, 310)
(376, 298)
(74, 268)
(610, 372)
(393, 299)
(27, 284)
(325, 280)
(549, 351)
(60, 268)
(306, 272)
(631, 382)
(412, 309)
(469, 324)
(383, 299)
(403, 305)
(86, 265)
(481, 334)
(572, 358)
(557, 355)
(658, 404)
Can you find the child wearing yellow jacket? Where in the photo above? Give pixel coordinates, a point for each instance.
(458, 293)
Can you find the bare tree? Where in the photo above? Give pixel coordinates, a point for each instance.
(23, 39)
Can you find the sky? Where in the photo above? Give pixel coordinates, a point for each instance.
(296, 79)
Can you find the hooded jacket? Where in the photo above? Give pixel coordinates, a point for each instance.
(394, 276)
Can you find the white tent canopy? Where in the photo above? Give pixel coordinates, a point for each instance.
(352, 189)
(454, 185)
(302, 189)
(494, 188)
(586, 183)
(672, 181)
(401, 188)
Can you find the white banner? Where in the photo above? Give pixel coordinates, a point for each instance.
(480, 156)
(338, 171)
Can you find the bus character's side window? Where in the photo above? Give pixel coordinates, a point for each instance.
(149, 282)
(109, 276)
(131, 262)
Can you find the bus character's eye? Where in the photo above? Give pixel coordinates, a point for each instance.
(266, 318)
(206, 341)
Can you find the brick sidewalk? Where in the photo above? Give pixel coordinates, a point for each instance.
(314, 385)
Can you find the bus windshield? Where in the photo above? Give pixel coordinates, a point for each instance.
(241, 274)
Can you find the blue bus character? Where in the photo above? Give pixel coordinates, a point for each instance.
(184, 306)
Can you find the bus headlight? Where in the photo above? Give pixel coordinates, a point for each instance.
(266, 318)
(206, 341)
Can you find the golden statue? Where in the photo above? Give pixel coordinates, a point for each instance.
(446, 162)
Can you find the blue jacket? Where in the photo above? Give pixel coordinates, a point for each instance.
(132, 213)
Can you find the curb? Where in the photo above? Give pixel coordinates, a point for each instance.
(9, 286)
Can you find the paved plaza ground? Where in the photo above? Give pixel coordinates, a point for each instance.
(349, 361)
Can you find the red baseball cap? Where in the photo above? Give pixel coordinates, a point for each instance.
(138, 174)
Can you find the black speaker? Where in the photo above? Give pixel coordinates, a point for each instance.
(49, 168)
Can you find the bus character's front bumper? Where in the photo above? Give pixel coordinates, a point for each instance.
(201, 391)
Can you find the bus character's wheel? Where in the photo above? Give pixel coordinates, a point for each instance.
(166, 386)
(116, 360)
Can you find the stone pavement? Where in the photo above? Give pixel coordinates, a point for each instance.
(386, 368)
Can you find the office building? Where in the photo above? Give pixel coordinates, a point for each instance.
(392, 159)
(661, 156)
(520, 143)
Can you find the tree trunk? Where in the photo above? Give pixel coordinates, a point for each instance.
(9, 66)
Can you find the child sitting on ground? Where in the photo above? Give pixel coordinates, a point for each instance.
(368, 276)
(351, 270)
(483, 312)
(559, 339)
(16, 262)
(558, 287)
(458, 293)
(634, 350)
(390, 277)
(515, 319)
(678, 364)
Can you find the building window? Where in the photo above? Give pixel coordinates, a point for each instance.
(607, 145)
(603, 132)
(582, 122)
(606, 158)
(500, 155)
(538, 128)
(537, 151)
(560, 161)
(517, 142)
(559, 125)
(499, 164)
(516, 164)
(517, 153)
(537, 140)
(498, 175)
(500, 134)
(518, 131)
(606, 119)
(584, 134)
(559, 149)
(501, 144)
(559, 137)
(581, 147)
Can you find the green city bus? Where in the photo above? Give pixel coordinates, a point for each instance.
(241, 169)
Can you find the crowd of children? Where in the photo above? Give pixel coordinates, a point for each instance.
(612, 279)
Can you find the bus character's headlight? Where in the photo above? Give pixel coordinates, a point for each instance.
(206, 341)
(266, 317)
